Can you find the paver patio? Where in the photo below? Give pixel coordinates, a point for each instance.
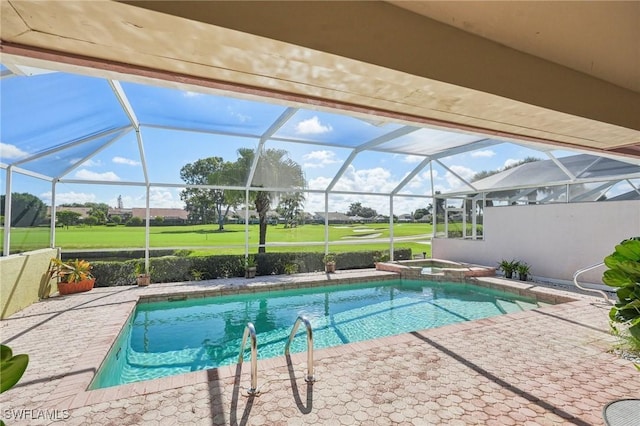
(548, 366)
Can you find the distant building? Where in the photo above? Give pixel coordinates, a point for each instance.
(405, 218)
(334, 217)
(82, 211)
(167, 215)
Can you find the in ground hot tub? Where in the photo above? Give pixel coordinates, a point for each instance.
(436, 269)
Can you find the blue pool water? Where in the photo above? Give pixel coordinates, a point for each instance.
(167, 338)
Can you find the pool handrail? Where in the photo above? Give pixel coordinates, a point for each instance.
(250, 330)
(588, 268)
(310, 378)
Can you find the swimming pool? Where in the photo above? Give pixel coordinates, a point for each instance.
(175, 337)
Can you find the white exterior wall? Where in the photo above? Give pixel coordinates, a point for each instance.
(555, 239)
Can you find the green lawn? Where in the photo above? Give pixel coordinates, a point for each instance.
(207, 239)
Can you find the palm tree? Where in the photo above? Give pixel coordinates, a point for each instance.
(274, 170)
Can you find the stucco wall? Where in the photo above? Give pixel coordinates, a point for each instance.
(24, 280)
(555, 239)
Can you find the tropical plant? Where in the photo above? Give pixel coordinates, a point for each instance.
(197, 275)
(11, 367)
(508, 267)
(381, 256)
(70, 271)
(291, 268)
(274, 169)
(250, 261)
(139, 269)
(523, 269)
(329, 258)
(623, 273)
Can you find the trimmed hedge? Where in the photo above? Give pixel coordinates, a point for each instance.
(180, 268)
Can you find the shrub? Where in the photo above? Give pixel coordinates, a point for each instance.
(135, 221)
(180, 268)
(624, 274)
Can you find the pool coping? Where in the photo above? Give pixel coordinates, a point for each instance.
(72, 391)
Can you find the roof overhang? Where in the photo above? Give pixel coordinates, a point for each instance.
(397, 63)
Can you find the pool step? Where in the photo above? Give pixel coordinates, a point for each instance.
(516, 305)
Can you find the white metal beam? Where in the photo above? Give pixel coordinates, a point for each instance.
(456, 175)
(561, 166)
(124, 103)
(411, 175)
(600, 188)
(69, 145)
(92, 154)
(280, 121)
(7, 212)
(479, 144)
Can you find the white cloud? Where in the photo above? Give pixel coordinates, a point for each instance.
(321, 158)
(127, 161)
(243, 118)
(191, 94)
(377, 179)
(11, 151)
(69, 197)
(412, 159)
(483, 153)
(312, 126)
(89, 175)
(164, 198)
(464, 172)
(510, 162)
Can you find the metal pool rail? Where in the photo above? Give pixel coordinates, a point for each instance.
(310, 377)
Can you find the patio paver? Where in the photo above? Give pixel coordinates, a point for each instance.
(547, 366)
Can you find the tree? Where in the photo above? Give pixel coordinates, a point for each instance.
(135, 221)
(356, 209)
(200, 202)
(290, 208)
(67, 218)
(116, 219)
(420, 213)
(224, 199)
(486, 173)
(98, 210)
(26, 209)
(274, 169)
(91, 221)
(439, 205)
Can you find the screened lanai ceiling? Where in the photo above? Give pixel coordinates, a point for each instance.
(76, 129)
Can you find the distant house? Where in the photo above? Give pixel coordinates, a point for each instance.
(124, 214)
(334, 217)
(405, 218)
(272, 216)
(82, 211)
(167, 215)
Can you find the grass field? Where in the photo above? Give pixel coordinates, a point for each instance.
(206, 239)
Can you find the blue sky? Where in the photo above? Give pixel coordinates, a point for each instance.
(56, 107)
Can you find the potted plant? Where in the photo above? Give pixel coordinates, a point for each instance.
(381, 257)
(250, 266)
(523, 270)
(291, 268)
(329, 260)
(143, 278)
(73, 276)
(508, 267)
